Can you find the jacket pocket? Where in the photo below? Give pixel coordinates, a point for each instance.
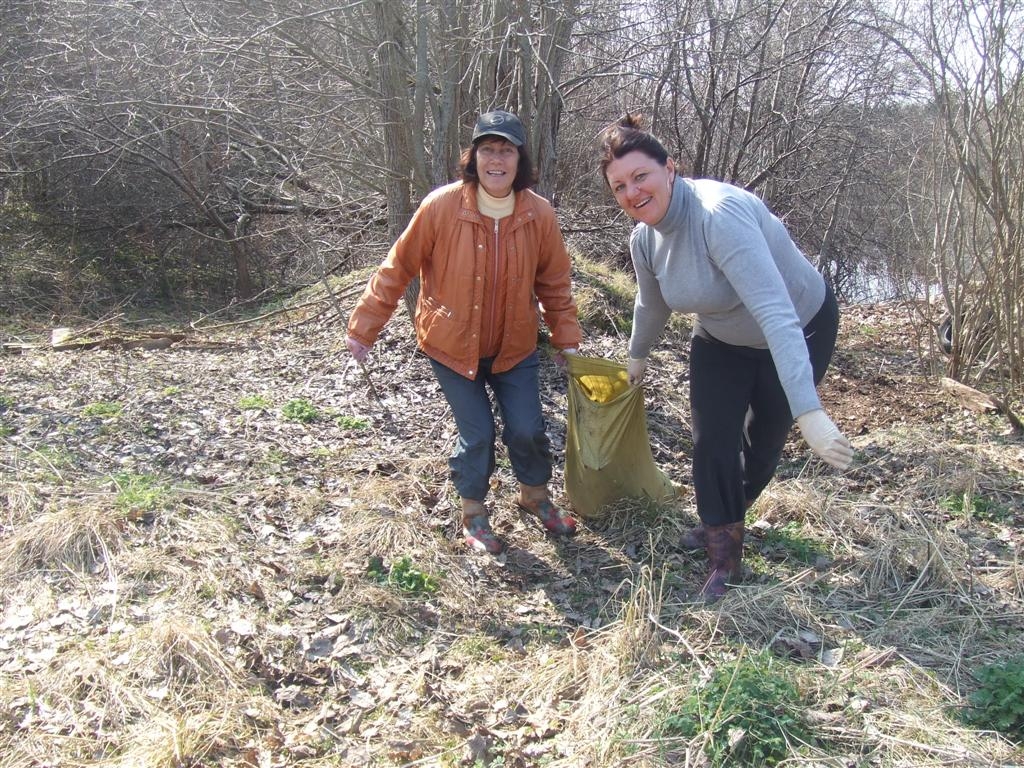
(429, 305)
(527, 325)
(437, 324)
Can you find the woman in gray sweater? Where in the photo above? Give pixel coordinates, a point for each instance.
(766, 325)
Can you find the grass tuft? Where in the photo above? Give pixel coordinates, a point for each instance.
(73, 538)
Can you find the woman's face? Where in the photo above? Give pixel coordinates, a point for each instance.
(497, 161)
(642, 186)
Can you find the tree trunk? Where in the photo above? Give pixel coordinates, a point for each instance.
(393, 76)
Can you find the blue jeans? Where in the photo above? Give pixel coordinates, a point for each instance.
(517, 392)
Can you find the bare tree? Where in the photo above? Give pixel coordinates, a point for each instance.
(971, 55)
(255, 143)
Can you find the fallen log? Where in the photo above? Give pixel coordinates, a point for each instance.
(981, 402)
(142, 340)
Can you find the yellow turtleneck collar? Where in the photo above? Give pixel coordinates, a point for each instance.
(495, 207)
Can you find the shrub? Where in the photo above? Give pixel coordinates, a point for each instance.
(998, 704)
(748, 711)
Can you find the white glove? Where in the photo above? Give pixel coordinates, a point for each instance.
(825, 438)
(635, 370)
(357, 349)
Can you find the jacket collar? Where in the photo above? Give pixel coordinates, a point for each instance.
(525, 209)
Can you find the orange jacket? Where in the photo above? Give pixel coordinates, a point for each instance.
(475, 281)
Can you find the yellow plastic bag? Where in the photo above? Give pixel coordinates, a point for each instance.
(607, 453)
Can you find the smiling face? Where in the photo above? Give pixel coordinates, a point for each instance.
(642, 186)
(497, 161)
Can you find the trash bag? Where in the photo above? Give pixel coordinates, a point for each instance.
(607, 453)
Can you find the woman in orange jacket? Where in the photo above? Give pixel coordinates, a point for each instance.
(489, 253)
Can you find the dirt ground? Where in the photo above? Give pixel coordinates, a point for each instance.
(288, 464)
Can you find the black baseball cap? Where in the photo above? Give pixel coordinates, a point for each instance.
(500, 123)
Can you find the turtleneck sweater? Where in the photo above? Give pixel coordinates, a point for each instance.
(721, 254)
(495, 207)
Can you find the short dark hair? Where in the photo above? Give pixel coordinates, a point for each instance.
(624, 136)
(525, 175)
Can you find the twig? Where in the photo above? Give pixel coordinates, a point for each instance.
(256, 319)
(101, 323)
(334, 297)
(681, 639)
(373, 389)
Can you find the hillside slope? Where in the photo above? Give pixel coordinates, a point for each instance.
(243, 551)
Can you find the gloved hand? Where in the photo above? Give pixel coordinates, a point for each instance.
(825, 438)
(357, 349)
(560, 356)
(635, 370)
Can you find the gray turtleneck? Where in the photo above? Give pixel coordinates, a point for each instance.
(721, 254)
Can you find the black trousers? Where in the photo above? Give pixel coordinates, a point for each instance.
(741, 417)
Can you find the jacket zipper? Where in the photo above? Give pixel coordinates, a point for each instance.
(494, 284)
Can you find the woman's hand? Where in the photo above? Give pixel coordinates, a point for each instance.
(825, 438)
(562, 354)
(357, 349)
(635, 370)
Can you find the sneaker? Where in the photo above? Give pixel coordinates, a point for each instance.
(479, 536)
(554, 520)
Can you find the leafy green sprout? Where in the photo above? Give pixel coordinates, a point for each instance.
(300, 410)
(748, 710)
(138, 494)
(6, 403)
(171, 390)
(403, 575)
(253, 403)
(998, 703)
(351, 422)
(789, 537)
(102, 409)
(969, 505)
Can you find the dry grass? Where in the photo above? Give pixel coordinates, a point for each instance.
(236, 623)
(72, 538)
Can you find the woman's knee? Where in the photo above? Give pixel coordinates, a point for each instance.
(517, 438)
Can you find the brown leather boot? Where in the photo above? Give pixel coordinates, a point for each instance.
(725, 553)
(697, 537)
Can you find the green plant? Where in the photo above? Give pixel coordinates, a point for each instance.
(351, 422)
(274, 460)
(171, 390)
(402, 574)
(6, 403)
(970, 506)
(253, 403)
(748, 710)
(300, 410)
(138, 495)
(998, 703)
(102, 409)
(795, 544)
